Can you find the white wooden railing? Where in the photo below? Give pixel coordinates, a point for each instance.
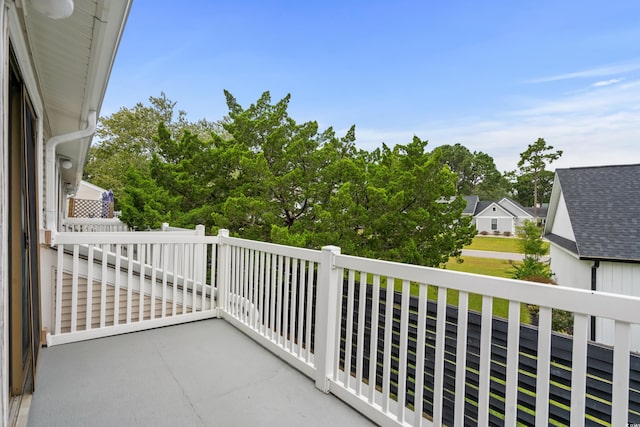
(304, 306)
(269, 288)
(118, 282)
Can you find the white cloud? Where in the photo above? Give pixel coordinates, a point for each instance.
(606, 82)
(595, 127)
(606, 70)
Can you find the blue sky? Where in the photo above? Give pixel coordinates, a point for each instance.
(493, 76)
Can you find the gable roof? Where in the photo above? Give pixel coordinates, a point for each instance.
(472, 202)
(604, 205)
(505, 202)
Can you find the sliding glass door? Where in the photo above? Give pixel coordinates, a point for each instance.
(24, 290)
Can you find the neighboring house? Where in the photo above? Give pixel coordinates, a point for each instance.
(54, 76)
(594, 229)
(497, 217)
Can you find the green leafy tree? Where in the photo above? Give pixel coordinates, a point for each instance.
(272, 179)
(530, 240)
(533, 162)
(522, 187)
(145, 205)
(476, 171)
(126, 139)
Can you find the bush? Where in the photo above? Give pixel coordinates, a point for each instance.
(506, 234)
(484, 232)
(496, 232)
(532, 270)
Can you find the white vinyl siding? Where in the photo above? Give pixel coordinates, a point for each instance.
(562, 223)
(618, 278)
(613, 277)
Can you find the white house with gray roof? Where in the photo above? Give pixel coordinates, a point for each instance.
(593, 225)
(496, 217)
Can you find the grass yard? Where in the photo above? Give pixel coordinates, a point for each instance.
(488, 267)
(498, 244)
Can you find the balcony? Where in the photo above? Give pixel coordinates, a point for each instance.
(197, 374)
(398, 343)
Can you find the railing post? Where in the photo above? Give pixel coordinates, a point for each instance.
(327, 310)
(224, 270)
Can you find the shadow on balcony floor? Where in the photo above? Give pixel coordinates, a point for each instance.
(204, 373)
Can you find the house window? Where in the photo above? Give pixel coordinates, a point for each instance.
(494, 224)
(493, 209)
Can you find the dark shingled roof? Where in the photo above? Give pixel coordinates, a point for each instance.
(482, 206)
(472, 201)
(604, 208)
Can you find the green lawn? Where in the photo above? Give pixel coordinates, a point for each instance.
(498, 244)
(488, 267)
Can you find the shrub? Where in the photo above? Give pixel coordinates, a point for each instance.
(532, 270)
(496, 232)
(506, 233)
(484, 232)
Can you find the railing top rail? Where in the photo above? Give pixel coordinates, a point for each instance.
(131, 237)
(600, 304)
(291, 251)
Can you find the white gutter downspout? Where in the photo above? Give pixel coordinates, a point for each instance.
(51, 228)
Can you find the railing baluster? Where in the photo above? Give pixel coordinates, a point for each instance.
(485, 360)
(388, 325)
(373, 345)
(90, 266)
(301, 299)
(129, 282)
(404, 339)
(420, 344)
(261, 294)
(621, 363)
(244, 291)
(310, 292)
(513, 353)
(579, 368)
(279, 291)
(438, 381)
(116, 289)
(233, 283)
(74, 288)
(184, 249)
(362, 306)
(154, 265)
(286, 300)
(543, 367)
(294, 296)
(141, 259)
(256, 290)
(174, 282)
(165, 262)
(348, 338)
(461, 357)
(272, 298)
(103, 287)
(213, 281)
(59, 279)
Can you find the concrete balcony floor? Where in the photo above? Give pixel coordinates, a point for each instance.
(203, 373)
